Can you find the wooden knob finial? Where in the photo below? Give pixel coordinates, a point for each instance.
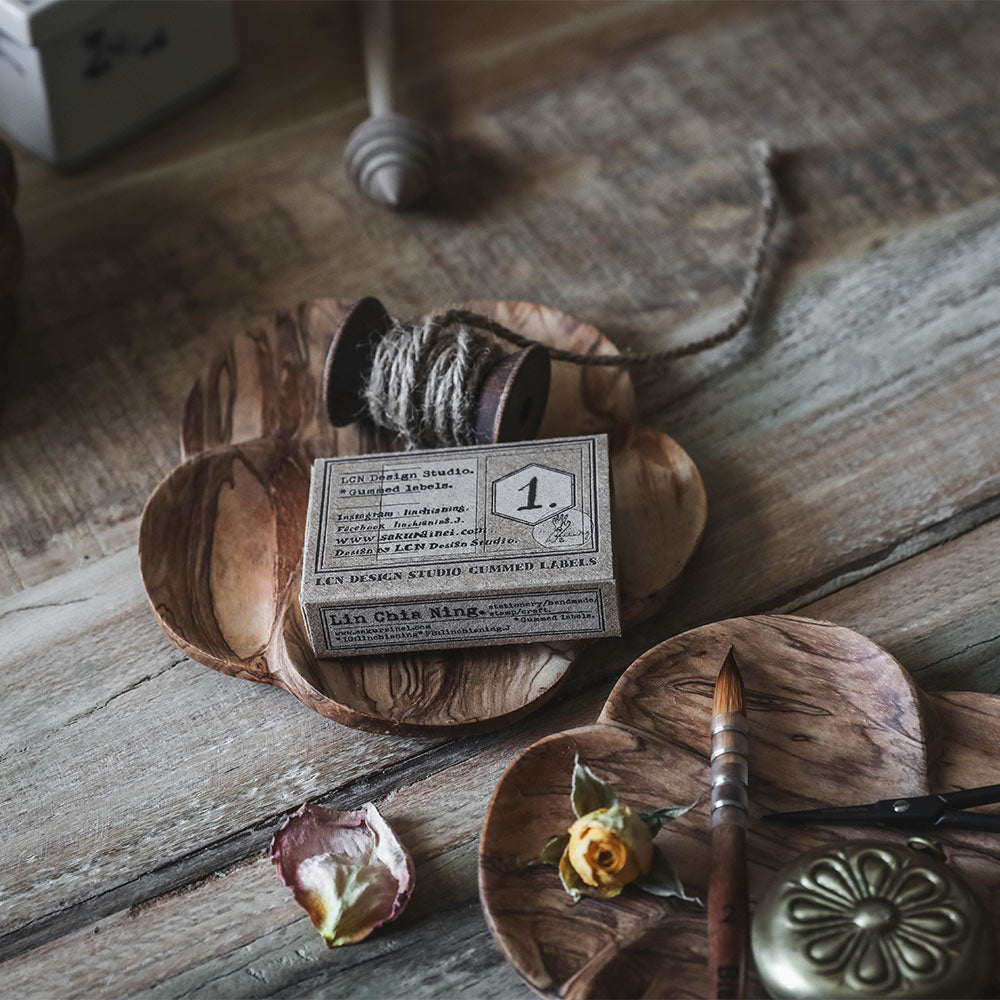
(391, 158)
(510, 404)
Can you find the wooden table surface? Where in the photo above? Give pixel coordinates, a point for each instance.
(850, 442)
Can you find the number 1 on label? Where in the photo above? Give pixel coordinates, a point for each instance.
(532, 487)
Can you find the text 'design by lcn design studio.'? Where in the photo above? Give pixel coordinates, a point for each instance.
(459, 547)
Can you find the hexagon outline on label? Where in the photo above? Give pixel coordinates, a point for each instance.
(545, 512)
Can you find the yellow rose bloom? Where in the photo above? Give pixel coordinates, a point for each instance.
(608, 848)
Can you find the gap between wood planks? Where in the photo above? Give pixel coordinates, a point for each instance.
(184, 874)
(938, 533)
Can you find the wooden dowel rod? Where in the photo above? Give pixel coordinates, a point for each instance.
(376, 27)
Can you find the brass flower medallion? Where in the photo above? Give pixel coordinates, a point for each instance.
(868, 919)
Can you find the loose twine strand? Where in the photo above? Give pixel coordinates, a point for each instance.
(426, 377)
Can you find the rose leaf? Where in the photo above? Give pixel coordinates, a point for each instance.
(589, 792)
(656, 819)
(347, 870)
(553, 849)
(662, 880)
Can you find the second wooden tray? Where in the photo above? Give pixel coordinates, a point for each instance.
(834, 720)
(221, 537)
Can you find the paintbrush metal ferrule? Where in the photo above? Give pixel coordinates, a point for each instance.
(730, 748)
(730, 770)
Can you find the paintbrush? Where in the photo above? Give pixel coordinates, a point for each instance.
(728, 905)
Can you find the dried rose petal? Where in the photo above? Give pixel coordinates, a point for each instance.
(348, 870)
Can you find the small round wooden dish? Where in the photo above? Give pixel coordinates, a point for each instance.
(834, 720)
(221, 537)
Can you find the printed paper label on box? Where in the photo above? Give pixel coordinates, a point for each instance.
(464, 622)
(433, 509)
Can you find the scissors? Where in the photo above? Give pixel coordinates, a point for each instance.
(944, 811)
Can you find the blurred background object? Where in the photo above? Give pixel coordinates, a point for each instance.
(389, 156)
(80, 76)
(11, 246)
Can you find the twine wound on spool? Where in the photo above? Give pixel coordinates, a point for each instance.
(446, 380)
(425, 379)
(430, 383)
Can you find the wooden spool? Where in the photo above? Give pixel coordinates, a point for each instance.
(221, 538)
(833, 720)
(511, 401)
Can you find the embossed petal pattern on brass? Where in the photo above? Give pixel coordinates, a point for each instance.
(868, 919)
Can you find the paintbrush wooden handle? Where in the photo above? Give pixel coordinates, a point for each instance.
(728, 914)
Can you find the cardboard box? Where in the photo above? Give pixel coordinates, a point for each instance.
(460, 547)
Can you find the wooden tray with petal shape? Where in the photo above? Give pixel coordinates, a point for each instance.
(834, 720)
(221, 538)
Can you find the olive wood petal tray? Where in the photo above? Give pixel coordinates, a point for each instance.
(834, 720)
(221, 538)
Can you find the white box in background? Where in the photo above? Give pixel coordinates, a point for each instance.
(80, 76)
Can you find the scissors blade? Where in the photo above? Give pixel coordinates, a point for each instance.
(965, 798)
(895, 812)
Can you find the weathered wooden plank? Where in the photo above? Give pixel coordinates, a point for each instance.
(241, 935)
(120, 754)
(838, 456)
(76, 632)
(785, 525)
(623, 128)
(939, 613)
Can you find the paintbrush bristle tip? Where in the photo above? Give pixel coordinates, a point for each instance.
(729, 687)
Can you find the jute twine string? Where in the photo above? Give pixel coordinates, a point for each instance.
(425, 380)
(426, 377)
